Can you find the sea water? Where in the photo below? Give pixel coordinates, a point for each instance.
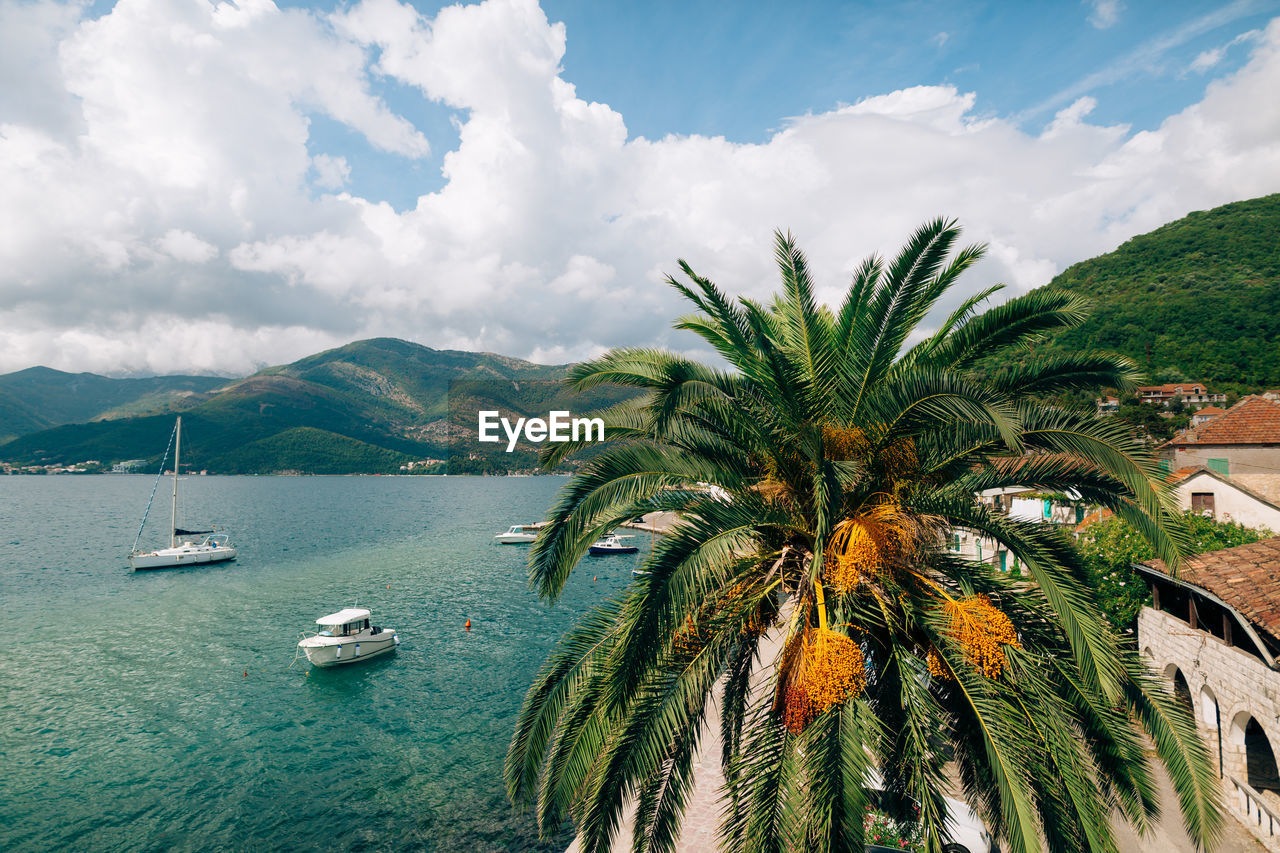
(163, 710)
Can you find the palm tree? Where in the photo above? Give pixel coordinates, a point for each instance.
(848, 456)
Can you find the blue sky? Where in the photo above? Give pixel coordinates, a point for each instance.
(218, 185)
(742, 70)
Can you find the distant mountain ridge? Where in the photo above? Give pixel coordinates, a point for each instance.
(40, 397)
(367, 407)
(1196, 299)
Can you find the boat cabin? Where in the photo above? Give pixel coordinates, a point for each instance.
(344, 623)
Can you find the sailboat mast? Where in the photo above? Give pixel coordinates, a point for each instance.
(173, 524)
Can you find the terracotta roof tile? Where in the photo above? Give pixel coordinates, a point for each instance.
(1247, 577)
(1254, 420)
(1173, 387)
(1100, 514)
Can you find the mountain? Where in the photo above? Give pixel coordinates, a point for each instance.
(39, 397)
(367, 407)
(1197, 299)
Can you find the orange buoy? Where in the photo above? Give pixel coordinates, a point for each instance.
(468, 625)
(388, 586)
(246, 673)
(595, 578)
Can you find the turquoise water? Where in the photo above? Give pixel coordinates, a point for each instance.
(160, 710)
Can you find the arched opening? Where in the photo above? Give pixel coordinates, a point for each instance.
(1182, 691)
(1209, 717)
(1260, 759)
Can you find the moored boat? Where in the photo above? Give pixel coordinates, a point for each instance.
(612, 544)
(214, 548)
(346, 637)
(518, 534)
(184, 549)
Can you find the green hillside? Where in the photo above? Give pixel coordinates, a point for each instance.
(17, 417)
(367, 407)
(40, 397)
(1197, 299)
(309, 450)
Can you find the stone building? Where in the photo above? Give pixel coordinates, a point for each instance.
(1243, 444)
(1214, 633)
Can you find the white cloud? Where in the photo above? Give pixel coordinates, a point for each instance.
(185, 246)
(332, 173)
(1104, 13)
(181, 186)
(1209, 59)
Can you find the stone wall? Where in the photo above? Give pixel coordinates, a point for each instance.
(1228, 688)
(1255, 465)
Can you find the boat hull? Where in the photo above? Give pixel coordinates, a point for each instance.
(169, 558)
(336, 651)
(597, 551)
(515, 538)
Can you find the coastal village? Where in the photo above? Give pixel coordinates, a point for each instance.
(1212, 629)
(502, 426)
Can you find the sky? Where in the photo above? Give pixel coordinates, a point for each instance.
(212, 187)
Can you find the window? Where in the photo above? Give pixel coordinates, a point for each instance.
(1219, 466)
(955, 542)
(1202, 503)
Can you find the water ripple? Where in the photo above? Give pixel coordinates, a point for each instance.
(160, 710)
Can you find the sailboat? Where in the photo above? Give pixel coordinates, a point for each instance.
(183, 550)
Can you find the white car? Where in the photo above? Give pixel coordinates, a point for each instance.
(966, 833)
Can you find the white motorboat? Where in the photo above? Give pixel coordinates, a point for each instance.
(184, 549)
(612, 544)
(518, 534)
(346, 637)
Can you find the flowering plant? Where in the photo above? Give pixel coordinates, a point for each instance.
(879, 828)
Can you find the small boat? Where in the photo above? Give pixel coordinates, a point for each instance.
(347, 636)
(184, 549)
(518, 534)
(611, 544)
